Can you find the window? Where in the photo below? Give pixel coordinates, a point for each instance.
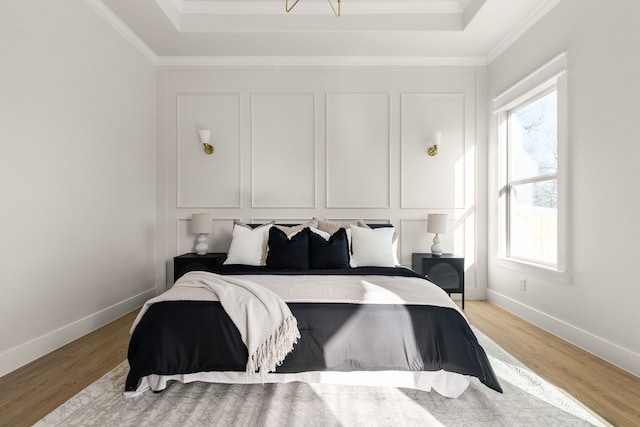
(532, 177)
(532, 181)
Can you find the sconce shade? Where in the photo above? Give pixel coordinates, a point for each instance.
(201, 223)
(205, 136)
(436, 137)
(437, 223)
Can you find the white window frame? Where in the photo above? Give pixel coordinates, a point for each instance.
(549, 77)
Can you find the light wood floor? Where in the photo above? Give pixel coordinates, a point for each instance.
(31, 392)
(609, 391)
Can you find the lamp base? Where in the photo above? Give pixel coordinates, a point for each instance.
(202, 247)
(436, 248)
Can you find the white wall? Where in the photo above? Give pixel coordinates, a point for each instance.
(597, 309)
(77, 176)
(334, 143)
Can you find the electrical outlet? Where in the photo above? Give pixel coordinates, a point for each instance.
(523, 284)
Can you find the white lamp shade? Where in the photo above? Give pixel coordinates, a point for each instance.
(205, 136)
(436, 137)
(201, 223)
(437, 223)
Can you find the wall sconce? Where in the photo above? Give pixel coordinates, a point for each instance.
(437, 223)
(205, 137)
(201, 225)
(435, 143)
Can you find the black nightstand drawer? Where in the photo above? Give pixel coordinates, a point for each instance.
(193, 262)
(446, 271)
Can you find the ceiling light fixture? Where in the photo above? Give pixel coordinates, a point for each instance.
(336, 11)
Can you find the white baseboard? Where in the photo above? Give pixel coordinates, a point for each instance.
(600, 347)
(31, 350)
(472, 294)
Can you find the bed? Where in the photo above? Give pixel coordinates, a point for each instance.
(359, 325)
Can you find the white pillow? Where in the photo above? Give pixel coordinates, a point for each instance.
(323, 234)
(248, 246)
(372, 247)
(394, 248)
(394, 242)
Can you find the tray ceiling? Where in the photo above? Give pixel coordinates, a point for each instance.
(435, 31)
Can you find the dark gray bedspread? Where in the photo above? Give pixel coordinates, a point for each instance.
(180, 337)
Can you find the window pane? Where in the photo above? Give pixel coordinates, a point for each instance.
(534, 138)
(534, 221)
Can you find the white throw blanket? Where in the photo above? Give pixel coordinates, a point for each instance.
(266, 325)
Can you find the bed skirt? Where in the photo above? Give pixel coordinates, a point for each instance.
(448, 384)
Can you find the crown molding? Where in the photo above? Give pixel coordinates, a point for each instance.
(316, 61)
(537, 14)
(123, 29)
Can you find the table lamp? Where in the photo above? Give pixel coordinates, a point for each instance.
(201, 225)
(437, 223)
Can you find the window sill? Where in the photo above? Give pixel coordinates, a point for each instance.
(537, 270)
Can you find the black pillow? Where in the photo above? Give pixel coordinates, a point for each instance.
(288, 253)
(332, 253)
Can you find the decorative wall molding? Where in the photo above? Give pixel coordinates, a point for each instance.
(355, 105)
(283, 134)
(221, 114)
(413, 238)
(357, 127)
(444, 112)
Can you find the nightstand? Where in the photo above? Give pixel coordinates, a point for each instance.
(193, 262)
(446, 271)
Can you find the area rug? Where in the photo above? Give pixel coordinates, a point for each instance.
(527, 401)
